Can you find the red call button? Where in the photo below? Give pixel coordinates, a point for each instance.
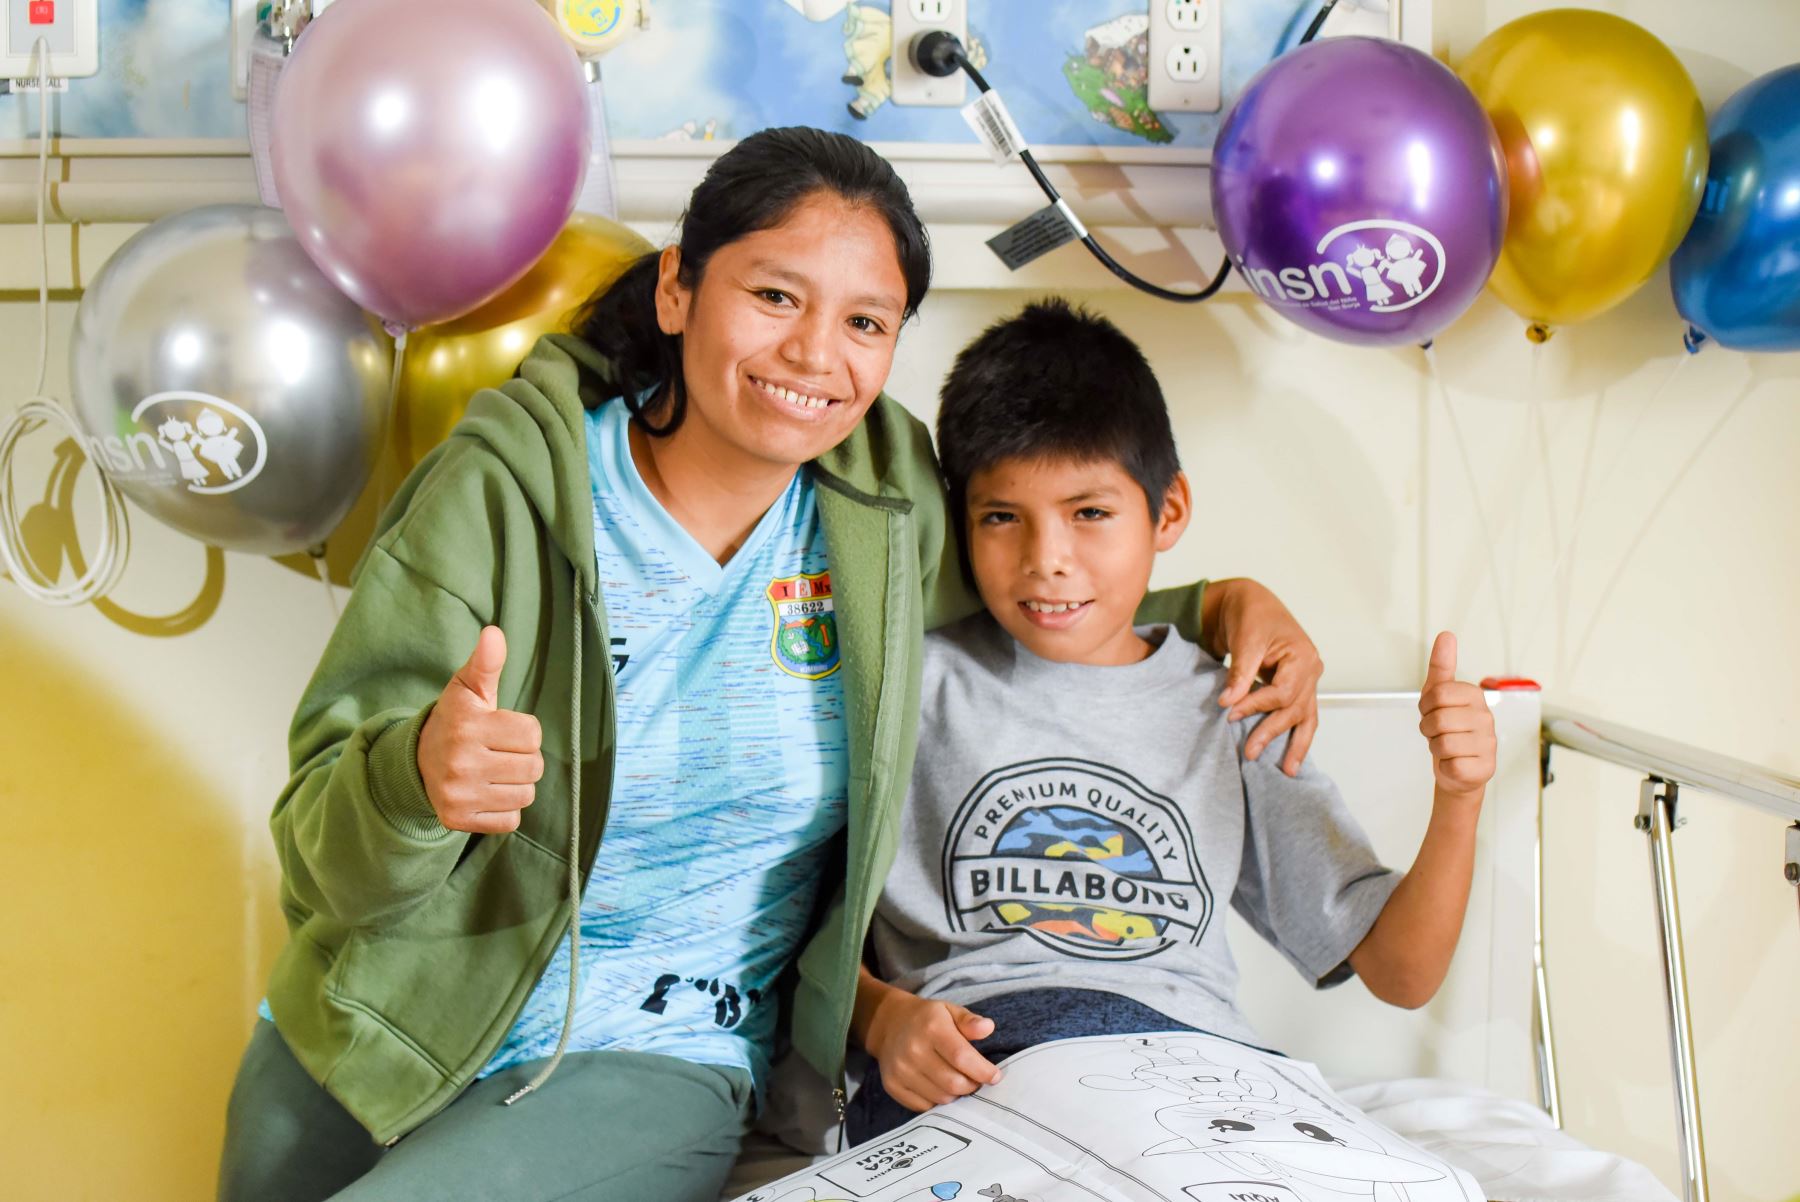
(42, 12)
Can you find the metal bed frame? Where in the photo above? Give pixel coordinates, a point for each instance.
(1668, 768)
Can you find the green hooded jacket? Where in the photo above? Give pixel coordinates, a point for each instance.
(413, 947)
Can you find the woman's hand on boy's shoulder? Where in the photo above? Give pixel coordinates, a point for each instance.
(1265, 644)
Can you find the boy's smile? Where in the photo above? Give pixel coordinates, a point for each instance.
(1062, 551)
(1054, 615)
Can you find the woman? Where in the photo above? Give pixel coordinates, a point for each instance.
(634, 499)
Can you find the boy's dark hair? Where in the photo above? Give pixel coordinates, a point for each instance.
(1054, 382)
(751, 187)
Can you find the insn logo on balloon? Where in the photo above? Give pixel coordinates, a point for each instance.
(1383, 266)
(206, 441)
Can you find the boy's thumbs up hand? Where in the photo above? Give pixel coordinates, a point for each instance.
(480, 763)
(1456, 722)
(1442, 668)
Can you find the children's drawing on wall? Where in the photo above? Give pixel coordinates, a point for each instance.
(1111, 77)
(868, 46)
(692, 131)
(1183, 1117)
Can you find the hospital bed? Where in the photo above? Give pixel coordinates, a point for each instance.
(1471, 1076)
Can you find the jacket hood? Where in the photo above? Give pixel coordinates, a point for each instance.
(535, 424)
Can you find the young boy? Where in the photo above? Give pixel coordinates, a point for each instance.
(1081, 809)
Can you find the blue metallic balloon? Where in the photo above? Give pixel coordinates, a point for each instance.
(1736, 275)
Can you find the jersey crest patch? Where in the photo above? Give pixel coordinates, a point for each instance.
(804, 642)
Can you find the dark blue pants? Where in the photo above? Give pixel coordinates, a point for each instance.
(1021, 1020)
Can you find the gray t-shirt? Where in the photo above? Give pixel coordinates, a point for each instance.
(1080, 827)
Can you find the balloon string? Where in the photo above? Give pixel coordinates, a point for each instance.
(1528, 471)
(383, 468)
(1668, 491)
(387, 415)
(1582, 512)
(1487, 541)
(317, 555)
(1551, 508)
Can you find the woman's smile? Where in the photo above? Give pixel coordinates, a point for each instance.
(793, 395)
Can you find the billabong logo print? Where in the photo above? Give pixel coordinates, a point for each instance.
(1078, 855)
(1382, 266)
(804, 642)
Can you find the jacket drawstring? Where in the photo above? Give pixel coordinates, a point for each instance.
(562, 1041)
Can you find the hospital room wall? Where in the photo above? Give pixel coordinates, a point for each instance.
(140, 883)
(143, 739)
(1676, 617)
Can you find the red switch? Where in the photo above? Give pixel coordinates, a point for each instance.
(41, 12)
(1510, 684)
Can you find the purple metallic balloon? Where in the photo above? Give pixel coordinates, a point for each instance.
(427, 152)
(1360, 190)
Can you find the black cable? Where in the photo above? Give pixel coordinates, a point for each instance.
(1318, 23)
(1087, 239)
(940, 53)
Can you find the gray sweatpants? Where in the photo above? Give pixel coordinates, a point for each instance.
(608, 1125)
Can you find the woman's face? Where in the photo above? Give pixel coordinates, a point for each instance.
(789, 335)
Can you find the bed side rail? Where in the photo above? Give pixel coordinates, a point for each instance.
(1668, 768)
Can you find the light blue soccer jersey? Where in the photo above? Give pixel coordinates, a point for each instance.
(730, 780)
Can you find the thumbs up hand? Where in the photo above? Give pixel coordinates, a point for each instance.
(1456, 722)
(480, 763)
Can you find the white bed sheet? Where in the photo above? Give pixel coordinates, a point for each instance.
(1510, 1147)
(1478, 1028)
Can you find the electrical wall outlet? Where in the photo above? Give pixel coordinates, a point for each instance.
(1186, 57)
(910, 19)
(1187, 15)
(71, 28)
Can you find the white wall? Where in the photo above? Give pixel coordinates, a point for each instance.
(1677, 620)
(1308, 456)
(142, 748)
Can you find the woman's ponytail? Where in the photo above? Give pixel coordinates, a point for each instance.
(621, 324)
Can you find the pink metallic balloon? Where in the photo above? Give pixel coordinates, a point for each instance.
(428, 151)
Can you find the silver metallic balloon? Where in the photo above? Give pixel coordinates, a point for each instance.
(225, 385)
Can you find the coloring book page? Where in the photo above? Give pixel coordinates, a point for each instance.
(1179, 1117)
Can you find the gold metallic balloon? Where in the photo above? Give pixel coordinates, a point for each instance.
(444, 365)
(1605, 142)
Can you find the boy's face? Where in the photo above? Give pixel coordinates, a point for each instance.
(1062, 552)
